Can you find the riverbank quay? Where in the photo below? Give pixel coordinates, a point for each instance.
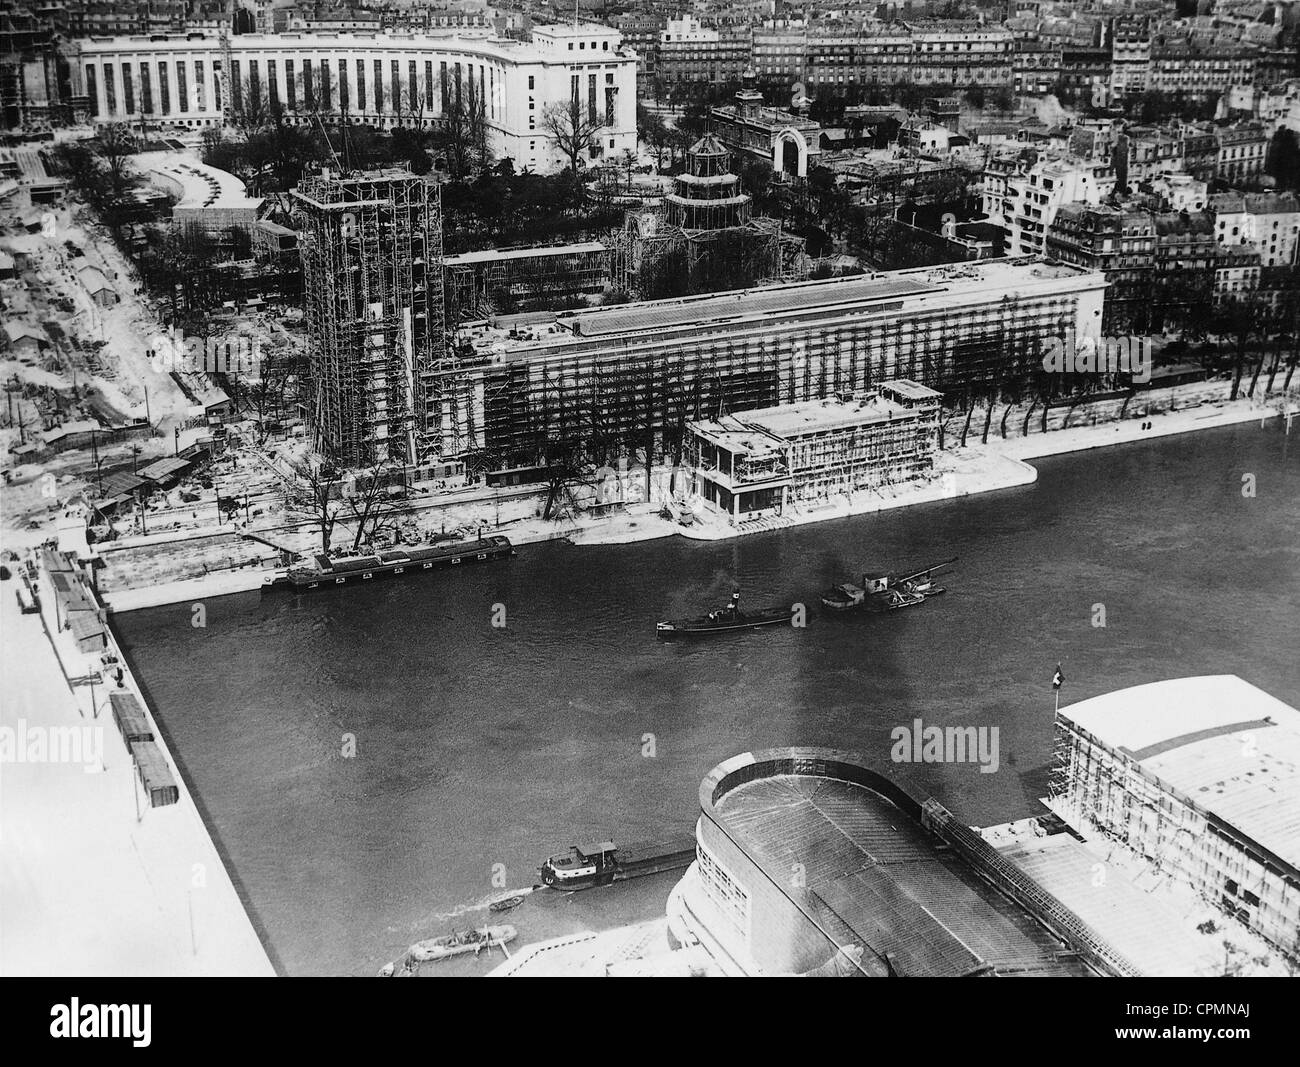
(988, 462)
(984, 466)
(94, 881)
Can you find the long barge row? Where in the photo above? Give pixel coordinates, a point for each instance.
(322, 570)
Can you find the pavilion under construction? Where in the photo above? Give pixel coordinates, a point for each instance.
(707, 237)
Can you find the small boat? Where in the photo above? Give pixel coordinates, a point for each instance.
(886, 592)
(726, 618)
(506, 904)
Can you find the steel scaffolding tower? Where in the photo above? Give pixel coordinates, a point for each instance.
(372, 274)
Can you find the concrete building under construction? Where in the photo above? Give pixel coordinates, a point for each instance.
(372, 264)
(609, 381)
(758, 463)
(1200, 777)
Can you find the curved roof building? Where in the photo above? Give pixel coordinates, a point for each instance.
(809, 862)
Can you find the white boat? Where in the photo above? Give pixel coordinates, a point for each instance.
(449, 945)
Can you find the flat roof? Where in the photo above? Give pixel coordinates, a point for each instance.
(653, 315)
(900, 292)
(817, 416)
(829, 293)
(473, 39)
(739, 439)
(1149, 933)
(489, 255)
(1192, 733)
(911, 389)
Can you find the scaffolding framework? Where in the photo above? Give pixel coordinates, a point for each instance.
(372, 273)
(705, 237)
(480, 285)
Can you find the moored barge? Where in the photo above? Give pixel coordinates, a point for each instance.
(321, 570)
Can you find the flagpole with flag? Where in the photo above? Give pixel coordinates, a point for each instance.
(1058, 680)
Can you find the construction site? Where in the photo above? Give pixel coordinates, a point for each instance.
(480, 285)
(706, 237)
(626, 379)
(372, 264)
(1158, 769)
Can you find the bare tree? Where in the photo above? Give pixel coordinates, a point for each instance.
(574, 129)
(254, 105)
(398, 98)
(116, 142)
(370, 505)
(418, 104)
(463, 132)
(475, 124)
(263, 396)
(315, 494)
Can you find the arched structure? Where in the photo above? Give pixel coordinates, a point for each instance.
(785, 143)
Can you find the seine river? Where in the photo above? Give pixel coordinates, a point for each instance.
(375, 764)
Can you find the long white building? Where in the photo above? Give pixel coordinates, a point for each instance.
(201, 79)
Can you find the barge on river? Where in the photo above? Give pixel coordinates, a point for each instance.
(725, 619)
(320, 570)
(887, 592)
(585, 866)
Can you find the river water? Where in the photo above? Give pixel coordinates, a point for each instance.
(474, 751)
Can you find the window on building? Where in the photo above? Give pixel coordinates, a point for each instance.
(164, 96)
